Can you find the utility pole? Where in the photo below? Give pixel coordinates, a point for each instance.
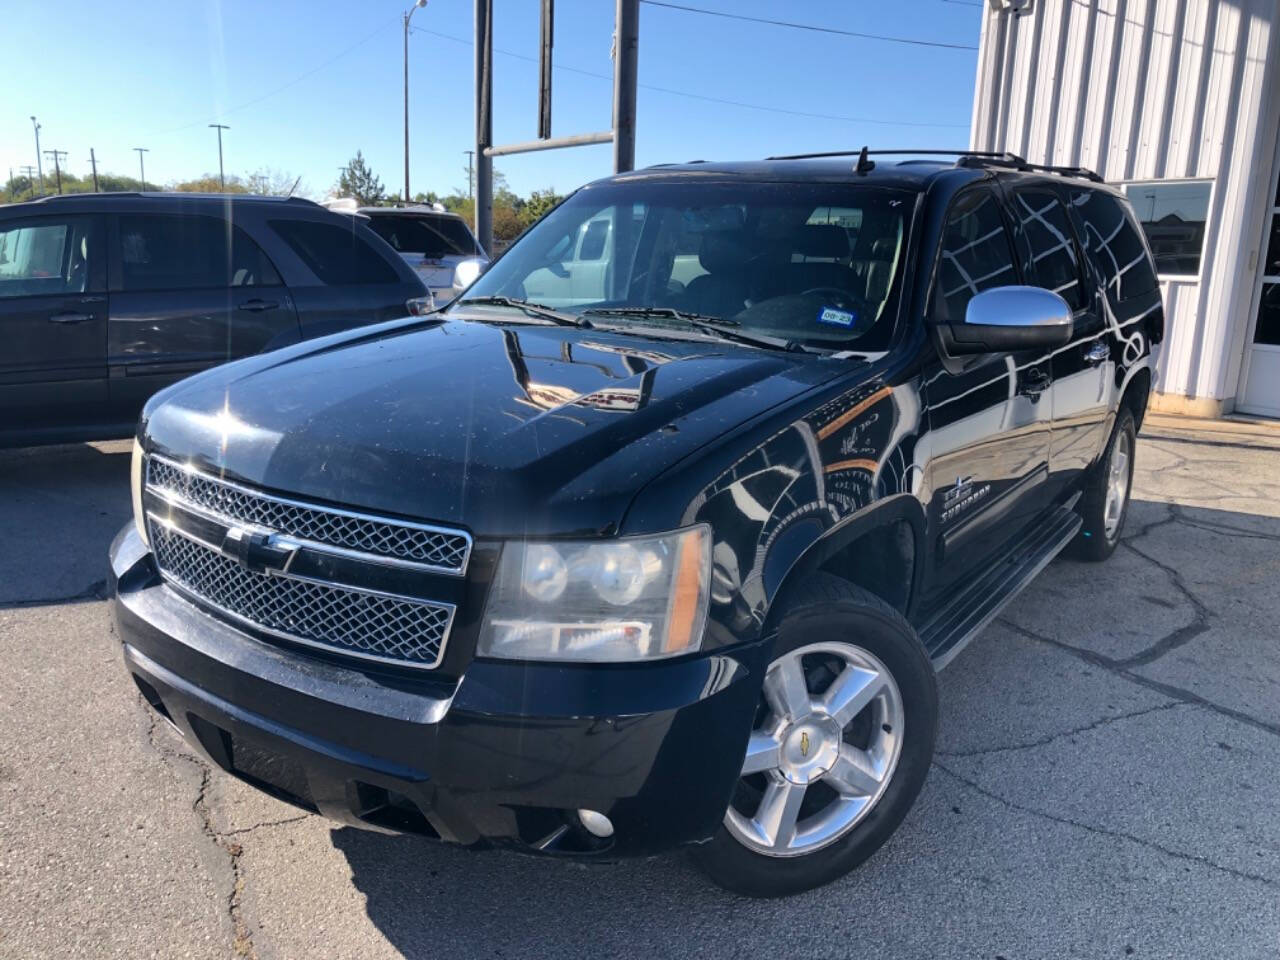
(39, 166)
(57, 168)
(93, 161)
(408, 14)
(30, 171)
(484, 125)
(222, 181)
(142, 170)
(11, 183)
(626, 50)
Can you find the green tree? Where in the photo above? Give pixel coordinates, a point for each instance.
(275, 183)
(210, 183)
(114, 183)
(540, 203)
(358, 181)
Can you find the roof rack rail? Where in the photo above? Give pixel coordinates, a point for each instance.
(1015, 162)
(105, 194)
(964, 158)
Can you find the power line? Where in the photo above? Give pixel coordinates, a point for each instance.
(810, 27)
(703, 97)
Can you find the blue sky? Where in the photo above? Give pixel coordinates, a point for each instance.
(304, 84)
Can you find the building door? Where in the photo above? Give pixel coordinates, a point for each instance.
(1262, 387)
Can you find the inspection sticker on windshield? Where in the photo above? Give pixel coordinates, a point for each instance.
(837, 318)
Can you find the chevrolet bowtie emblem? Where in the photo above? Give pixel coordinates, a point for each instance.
(257, 550)
(804, 744)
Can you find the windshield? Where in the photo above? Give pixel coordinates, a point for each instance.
(431, 237)
(812, 263)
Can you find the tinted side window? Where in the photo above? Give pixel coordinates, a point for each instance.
(1053, 248)
(47, 256)
(338, 255)
(975, 254)
(159, 252)
(1113, 245)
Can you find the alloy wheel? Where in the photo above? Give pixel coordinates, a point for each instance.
(824, 749)
(1117, 485)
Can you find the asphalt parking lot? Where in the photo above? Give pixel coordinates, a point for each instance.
(1106, 784)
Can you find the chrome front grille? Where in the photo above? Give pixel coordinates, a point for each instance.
(304, 572)
(399, 541)
(370, 625)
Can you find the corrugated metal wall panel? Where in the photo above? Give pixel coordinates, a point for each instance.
(1152, 89)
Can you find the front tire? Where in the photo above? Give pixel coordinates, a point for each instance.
(840, 748)
(1105, 501)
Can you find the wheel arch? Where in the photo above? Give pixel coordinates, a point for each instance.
(1136, 392)
(880, 548)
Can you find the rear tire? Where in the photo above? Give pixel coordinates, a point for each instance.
(840, 749)
(1105, 501)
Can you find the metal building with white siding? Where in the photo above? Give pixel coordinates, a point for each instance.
(1179, 100)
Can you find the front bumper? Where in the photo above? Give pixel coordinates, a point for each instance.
(503, 756)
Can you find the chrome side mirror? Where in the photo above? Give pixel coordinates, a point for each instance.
(467, 272)
(1010, 319)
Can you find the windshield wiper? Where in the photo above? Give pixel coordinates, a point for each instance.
(530, 309)
(721, 327)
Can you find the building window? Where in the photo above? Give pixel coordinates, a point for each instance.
(1173, 215)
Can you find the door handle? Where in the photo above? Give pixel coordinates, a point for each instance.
(257, 306)
(1100, 352)
(70, 317)
(1034, 383)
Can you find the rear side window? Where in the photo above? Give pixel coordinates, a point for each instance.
(1053, 247)
(1114, 245)
(975, 254)
(337, 255)
(431, 237)
(159, 252)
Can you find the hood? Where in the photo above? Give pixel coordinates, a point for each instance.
(506, 429)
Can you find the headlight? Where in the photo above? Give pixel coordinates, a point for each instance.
(135, 482)
(640, 598)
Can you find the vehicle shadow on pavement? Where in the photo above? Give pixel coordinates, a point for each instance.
(74, 496)
(431, 900)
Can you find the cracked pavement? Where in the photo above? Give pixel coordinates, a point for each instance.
(1105, 783)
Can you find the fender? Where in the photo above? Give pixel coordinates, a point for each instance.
(806, 559)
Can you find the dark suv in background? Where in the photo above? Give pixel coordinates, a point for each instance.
(106, 298)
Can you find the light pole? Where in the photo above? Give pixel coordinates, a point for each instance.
(471, 185)
(222, 181)
(142, 170)
(408, 14)
(39, 165)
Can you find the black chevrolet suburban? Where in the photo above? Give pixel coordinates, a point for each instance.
(657, 547)
(106, 298)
